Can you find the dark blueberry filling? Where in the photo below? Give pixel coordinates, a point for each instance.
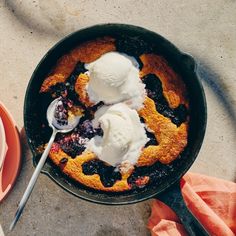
(64, 160)
(79, 68)
(142, 120)
(150, 135)
(71, 90)
(140, 63)
(154, 172)
(74, 143)
(58, 90)
(107, 174)
(181, 114)
(61, 111)
(134, 46)
(155, 92)
(91, 167)
(72, 147)
(86, 129)
(95, 107)
(70, 83)
(99, 131)
(152, 139)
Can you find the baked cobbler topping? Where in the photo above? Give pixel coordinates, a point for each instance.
(97, 152)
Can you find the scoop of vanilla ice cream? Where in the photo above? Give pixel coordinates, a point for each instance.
(114, 78)
(123, 138)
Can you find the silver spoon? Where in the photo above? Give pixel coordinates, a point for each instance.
(57, 128)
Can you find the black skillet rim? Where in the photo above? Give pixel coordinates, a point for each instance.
(198, 143)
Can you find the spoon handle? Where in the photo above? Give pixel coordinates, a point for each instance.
(33, 180)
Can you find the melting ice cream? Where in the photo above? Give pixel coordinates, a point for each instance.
(123, 138)
(114, 78)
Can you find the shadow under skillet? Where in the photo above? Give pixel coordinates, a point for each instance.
(54, 24)
(217, 85)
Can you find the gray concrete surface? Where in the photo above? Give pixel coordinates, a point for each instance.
(205, 29)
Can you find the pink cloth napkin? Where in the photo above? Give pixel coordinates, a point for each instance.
(211, 200)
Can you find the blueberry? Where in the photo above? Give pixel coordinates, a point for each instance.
(155, 92)
(79, 68)
(72, 148)
(96, 106)
(152, 139)
(58, 89)
(86, 129)
(107, 174)
(181, 114)
(70, 83)
(64, 160)
(153, 83)
(133, 46)
(99, 132)
(90, 168)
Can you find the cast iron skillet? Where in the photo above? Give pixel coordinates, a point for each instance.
(167, 188)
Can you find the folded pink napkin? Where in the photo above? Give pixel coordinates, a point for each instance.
(211, 200)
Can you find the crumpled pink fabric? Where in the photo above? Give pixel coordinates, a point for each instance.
(211, 200)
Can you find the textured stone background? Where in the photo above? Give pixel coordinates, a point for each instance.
(205, 29)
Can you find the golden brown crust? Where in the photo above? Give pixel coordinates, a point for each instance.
(171, 139)
(86, 52)
(51, 81)
(174, 88)
(91, 50)
(80, 89)
(73, 168)
(65, 65)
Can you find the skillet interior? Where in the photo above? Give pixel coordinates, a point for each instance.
(182, 63)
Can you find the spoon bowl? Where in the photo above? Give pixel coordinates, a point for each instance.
(53, 122)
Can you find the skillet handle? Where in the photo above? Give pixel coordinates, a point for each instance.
(174, 199)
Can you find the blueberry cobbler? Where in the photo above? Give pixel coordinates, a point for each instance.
(133, 111)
